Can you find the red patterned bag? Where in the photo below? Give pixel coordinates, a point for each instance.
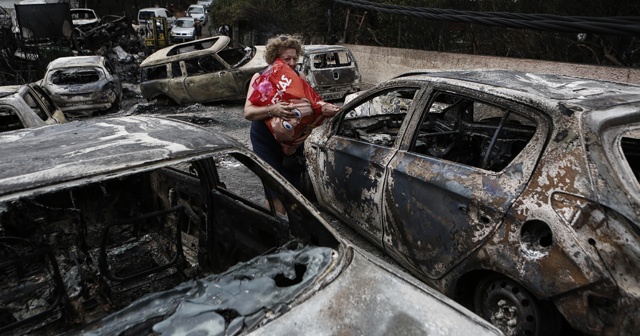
(281, 83)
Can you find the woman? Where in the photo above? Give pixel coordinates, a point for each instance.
(287, 49)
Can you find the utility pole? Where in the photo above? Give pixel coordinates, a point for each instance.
(329, 21)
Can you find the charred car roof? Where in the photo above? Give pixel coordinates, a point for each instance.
(75, 61)
(164, 55)
(587, 94)
(114, 144)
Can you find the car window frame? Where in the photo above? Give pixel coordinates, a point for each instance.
(541, 135)
(418, 102)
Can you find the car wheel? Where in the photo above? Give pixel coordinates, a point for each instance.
(515, 311)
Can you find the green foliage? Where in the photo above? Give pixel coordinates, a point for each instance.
(271, 17)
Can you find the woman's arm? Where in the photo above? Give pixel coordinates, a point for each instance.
(255, 112)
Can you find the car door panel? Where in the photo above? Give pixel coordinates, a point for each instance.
(354, 183)
(353, 161)
(455, 193)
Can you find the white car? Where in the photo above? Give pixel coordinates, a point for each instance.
(84, 17)
(198, 12)
(183, 29)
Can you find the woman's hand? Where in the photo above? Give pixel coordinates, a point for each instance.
(282, 110)
(330, 110)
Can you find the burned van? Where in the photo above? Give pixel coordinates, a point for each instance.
(331, 70)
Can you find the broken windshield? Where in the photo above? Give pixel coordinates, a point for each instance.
(75, 76)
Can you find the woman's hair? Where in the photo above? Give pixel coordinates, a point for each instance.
(278, 44)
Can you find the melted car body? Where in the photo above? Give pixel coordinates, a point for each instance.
(24, 106)
(145, 225)
(201, 71)
(331, 70)
(83, 85)
(498, 188)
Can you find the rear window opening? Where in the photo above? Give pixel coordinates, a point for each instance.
(73, 259)
(331, 59)
(75, 76)
(631, 149)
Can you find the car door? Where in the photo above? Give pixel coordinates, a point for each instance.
(352, 161)
(176, 88)
(459, 170)
(57, 116)
(208, 79)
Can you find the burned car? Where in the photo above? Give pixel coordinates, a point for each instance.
(25, 106)
(83, 85)
(516, 194)
(330, 69)
(84, 17)
(201, 71)
(152, 226)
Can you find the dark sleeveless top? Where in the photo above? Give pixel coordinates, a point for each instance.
(268, 149)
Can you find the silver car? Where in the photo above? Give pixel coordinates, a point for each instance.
(201, 71)
(25, 106)
(83, 85)
(140, 226)
(183, 30)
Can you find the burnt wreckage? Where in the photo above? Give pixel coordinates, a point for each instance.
(74, 255)
(145, 225)
(42, 32)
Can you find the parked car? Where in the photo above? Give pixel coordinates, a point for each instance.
(330, 69)
(84, 17)
(83, 85)
(183, 30)
(142, 225)
(201, 71)
(145, 16)
(198, 12)
(513, 193)
(24, 106)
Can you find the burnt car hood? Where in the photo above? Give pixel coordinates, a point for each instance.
(371, 297)
(263, 290)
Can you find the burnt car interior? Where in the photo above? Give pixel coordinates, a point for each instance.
(331, 60)
(454, 128)
(378, 119)
(75, 76)
(73, 256)
(472, 132)
(9, 119)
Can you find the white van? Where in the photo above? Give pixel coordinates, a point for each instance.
(145, 15)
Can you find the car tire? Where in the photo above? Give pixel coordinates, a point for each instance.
(513, 309)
